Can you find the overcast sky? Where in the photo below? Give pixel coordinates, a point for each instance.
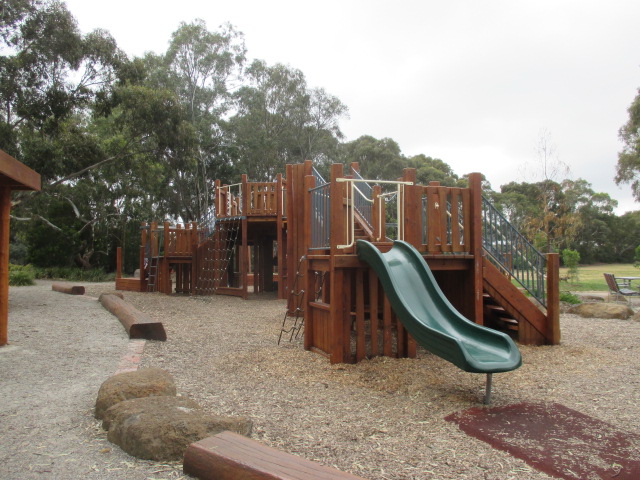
(474, 83)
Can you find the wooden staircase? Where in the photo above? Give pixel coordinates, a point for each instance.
(507, 308)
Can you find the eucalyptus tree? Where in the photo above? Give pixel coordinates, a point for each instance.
(51, 76)
(628, 167)
(279, 120)
(379, 159)
(201, 68)
(429, 169)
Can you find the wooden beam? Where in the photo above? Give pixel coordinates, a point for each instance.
(137, 324)
(68, 289)
(16, 175)
(229, 456)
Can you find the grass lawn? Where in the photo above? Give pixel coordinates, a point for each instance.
(590, 277)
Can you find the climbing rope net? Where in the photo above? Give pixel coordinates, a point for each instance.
(218, 238)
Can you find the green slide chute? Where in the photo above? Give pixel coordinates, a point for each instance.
(433, 322)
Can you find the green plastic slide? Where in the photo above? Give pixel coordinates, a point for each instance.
(433, 322)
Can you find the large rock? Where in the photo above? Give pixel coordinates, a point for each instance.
(602, 310)
(161, 429)
(122, 410)
(146, 382)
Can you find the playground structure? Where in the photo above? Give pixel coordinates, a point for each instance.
(298, 236)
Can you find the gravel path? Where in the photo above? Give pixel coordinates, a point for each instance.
(61, 348)
(381, 419)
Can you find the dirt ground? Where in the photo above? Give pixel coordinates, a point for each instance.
(380, 419)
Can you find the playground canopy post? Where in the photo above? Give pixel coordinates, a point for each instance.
(14, 175)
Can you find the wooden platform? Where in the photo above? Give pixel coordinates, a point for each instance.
(131, 285)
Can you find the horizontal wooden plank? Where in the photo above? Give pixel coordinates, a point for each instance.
(229, 456)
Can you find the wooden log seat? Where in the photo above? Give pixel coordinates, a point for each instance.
(229, 456)
(137, 324)
(70, 289)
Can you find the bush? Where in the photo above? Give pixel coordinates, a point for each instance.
(569, 297)
(21, 275)
(74, 274)
(571, 260)
(636, 262)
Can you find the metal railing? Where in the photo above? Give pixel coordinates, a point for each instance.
(361, 201)
(350, 222)
(319, 179)
(320, 217)
(507, 248)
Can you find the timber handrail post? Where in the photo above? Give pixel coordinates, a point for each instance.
(154, 250)
(336, 195)
(411, 223)
(377, 214)
(119, 262)
(475, 185)
(244, 195)
(217, 202)
(166, 240)
(553, 298)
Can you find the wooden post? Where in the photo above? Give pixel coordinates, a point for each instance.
(244, 248)
(144, 238)
(340, 309)
(309, 278)
(5, 216)
(553, 298)
(119, 262)
(412, 205)
(280, 235)
(475, 184)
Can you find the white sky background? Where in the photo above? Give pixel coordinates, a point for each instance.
(473, 83)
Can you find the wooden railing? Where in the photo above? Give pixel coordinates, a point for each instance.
(171, 241)
(250, 198)
(446, 217)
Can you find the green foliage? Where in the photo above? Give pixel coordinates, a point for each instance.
(628, 167)
(636, 262)
(21, 275)
(571, 260)
(569, 297)
(74, 274)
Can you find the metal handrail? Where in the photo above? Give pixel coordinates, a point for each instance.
(350, 222)
(320, 217)
(362, 202)
(238, 196)
(512, 252)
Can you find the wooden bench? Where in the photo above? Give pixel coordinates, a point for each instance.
(229, 456)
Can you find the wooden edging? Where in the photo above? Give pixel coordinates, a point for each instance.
(137, 324)
(229, 456)
(69, 289)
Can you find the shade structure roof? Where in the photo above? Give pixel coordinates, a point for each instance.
(16, 175)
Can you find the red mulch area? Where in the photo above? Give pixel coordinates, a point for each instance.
(556, 440)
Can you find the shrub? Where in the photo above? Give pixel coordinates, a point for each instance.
(636, 262)
(74, 274)
(569, 297)
(571, 260)
(21, 275)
